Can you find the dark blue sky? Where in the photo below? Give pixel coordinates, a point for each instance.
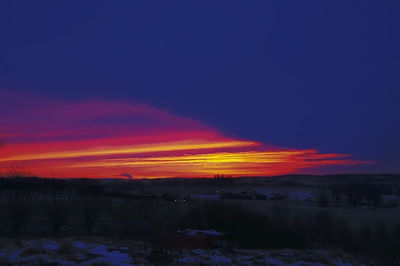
(300, 74)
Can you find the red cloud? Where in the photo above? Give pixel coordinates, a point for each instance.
(97, 138)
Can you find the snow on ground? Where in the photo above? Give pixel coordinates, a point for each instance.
(66, 253)
(267, 193)
(205, 196)
(293, 195)
(92, 251)
(300, 195)
(194, 232)
(50, 245)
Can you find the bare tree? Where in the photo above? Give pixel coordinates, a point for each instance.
(323, 199)
(397, 231)
(381, 230)
(322, 192)
(365, 232)
(337, 192)
(58, 209)
(120, 213)
(90, 212)
(19, 206)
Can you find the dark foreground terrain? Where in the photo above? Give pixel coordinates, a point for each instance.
(285, 220)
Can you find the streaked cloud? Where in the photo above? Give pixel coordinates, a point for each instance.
(97, 138)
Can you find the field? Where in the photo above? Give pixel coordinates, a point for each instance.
(311, 220)
(101, 251)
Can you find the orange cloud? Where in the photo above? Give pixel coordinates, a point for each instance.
(106, 139)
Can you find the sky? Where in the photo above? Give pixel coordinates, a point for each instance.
(197, 88)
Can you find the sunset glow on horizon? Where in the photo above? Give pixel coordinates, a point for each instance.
(108, 139)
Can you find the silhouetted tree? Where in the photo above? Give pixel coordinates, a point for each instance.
(381, 230)
(337, 192)
(322, 192)
(90, 212)
(396, 192)
(372, 193)
(353, 194)
(120, 213)
(323, 224)
(58, 209)
(365, 232)
(323, 199)
(19, 209)
(222, 180)
(397, 231)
